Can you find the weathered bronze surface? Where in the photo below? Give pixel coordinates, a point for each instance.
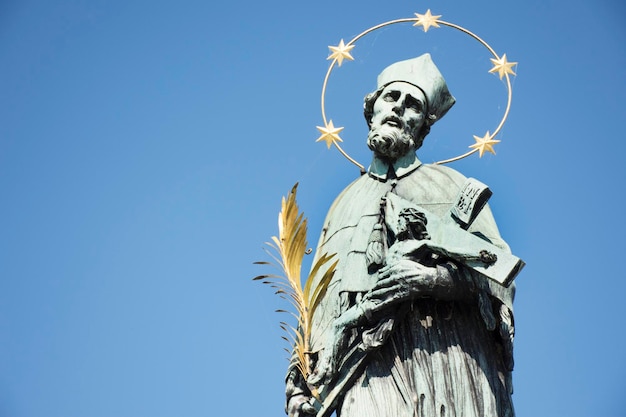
(418, 317)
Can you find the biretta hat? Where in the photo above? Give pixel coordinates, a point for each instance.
(422, 73)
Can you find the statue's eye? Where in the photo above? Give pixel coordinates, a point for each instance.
(391, 96)
(414, 104)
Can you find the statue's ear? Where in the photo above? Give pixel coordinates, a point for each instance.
(368, 105)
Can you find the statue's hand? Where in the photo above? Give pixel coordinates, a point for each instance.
(329, 356)
(299, 402)
(300, 406)
(408, 279)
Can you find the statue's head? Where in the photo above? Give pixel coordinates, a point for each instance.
(412, 225)
(411, 96)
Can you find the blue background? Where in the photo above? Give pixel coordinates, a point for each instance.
(145, 146)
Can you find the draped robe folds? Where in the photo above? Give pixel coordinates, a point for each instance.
(443, 358)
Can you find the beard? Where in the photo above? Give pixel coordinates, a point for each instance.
(390, 143)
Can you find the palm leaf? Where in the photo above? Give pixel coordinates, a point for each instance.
(320, 291)
(287, 251)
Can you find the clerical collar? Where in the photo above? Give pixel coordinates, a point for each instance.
(380, 169)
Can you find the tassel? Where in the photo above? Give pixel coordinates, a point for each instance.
(377, 242)
(375, 252)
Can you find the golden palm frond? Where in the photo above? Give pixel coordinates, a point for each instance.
(290, 245)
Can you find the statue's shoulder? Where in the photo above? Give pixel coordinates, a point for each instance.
(441, 173)
(431, 182)
(357, 198)
(432, 186)
(361, 185)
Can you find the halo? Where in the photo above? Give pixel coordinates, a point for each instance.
(341, 52)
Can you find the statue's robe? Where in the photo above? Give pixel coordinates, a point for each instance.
(443, 358)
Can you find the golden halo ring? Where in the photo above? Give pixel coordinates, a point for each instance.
(330, 134)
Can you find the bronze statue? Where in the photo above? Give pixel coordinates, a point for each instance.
(418, 317)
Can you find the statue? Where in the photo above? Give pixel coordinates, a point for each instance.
(418, 317)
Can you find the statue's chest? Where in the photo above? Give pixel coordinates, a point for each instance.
(352, 221)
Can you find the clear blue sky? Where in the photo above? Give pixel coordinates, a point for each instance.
(145, 146)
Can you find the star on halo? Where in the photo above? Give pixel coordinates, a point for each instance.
(426, 20)
(484, 144)
(502, 66)
(341, 52)
(330, 134)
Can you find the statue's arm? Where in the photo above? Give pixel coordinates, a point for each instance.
(495, 301)
(407, 279)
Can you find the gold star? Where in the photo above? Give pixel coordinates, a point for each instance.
(484, 144)
(426, 20)
(502, 67)
(341, 52)
(330, 134)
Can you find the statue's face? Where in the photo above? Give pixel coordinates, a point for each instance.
(400, 105)
(410, 227)
(398, 116)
